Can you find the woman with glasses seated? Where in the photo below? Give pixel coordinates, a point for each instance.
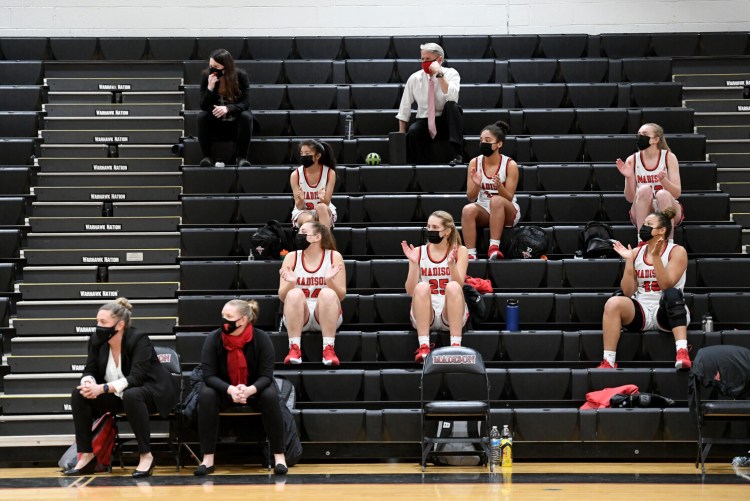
(435, 282)
(652, 177)
(491, 189)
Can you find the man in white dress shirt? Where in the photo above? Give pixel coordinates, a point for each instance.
(435, 89)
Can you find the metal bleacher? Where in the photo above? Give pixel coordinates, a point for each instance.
(93, 204)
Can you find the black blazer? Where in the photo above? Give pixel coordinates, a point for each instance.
(209, 99)
(139, 365)
(259, 354)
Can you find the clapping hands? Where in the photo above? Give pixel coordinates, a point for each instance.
(411, 252)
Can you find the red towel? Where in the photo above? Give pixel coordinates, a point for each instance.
(600, 399)
(482, 285)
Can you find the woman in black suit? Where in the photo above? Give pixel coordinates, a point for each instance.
(225, 107)
(122, 373)
(237, 362)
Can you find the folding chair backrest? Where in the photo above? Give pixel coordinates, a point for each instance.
(454, 359)
(169, 359)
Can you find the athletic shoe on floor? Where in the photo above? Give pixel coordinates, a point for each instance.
(329, 356)
(494, 253)
(682, 360)
(294, 356)
(421, 353)
(606, 365)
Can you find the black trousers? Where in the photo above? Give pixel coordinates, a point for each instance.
(450, 127)
(210, 403)
(137, 403)
(211, 128)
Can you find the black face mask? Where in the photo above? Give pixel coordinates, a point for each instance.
(228, 326)
(301, 242)
(486, 149)
(104, 334)
(643, 142)
(219, 73)
(433, 236)
(645, 233)
(307, 161)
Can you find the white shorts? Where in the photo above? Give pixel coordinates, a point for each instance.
(296, 213)
(486, 206)
(439, 323)
(312, 323)
(650, 321)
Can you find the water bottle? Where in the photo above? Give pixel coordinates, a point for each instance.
(494, 447)
(708, 323)
(511, 315)
(506, 447)
(578, 255)
(349, 126)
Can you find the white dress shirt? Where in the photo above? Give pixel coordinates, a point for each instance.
(416, 90)
(112, 375)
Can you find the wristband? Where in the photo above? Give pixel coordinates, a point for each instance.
(105, 388)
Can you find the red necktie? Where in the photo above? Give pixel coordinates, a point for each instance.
(431, 108)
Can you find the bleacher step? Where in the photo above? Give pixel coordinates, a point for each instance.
(87, 308)
(713, 80)
(726, 118)
(28, 364)
(103, 290)
(131, 254)
(113, 84)
(81, 224)
(96, 209)
(735, 105)
(41, 384)
(113, 110)
(728, 146)
(699, 93)
(86, 324)
(23, 431)
(101, 98)
(17, 404)
(98, 240)
(737, 189)
(741, 218)
(730, 159)
(73, 345)
(135, 193)
(716, 132)
(145, 150)
(150, 123)
(109, 179)
(113, 136)
(95, 151)
(64, 274)
(153, 97)
(109, 164)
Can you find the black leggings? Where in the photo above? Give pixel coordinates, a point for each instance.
(210, 403)
(211, 128)
(137, 403)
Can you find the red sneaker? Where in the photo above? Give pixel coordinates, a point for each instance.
(494, 253)
(421, 353)
(295, 355)
(329, 356)
(682, 360)
(606, 365)
(472, 257)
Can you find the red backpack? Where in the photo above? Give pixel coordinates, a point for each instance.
(103, 442)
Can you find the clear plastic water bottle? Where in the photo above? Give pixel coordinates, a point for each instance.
(511, 315)
(708, 323)
(494, 447)
(506, 447)
(349, 126)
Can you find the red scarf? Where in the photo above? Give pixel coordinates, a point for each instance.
(236, 362)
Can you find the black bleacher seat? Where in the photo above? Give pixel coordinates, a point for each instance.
(722, 43)
(392, 308)
(439, 179)
(475, 120)
(10, 243)
(14, 181)
(375, 96)
(539, 95)
(672, 120)
(675, 44)
(209, 209)
(263, 180)
(4, 311)
(193, 97)
(18, 124)
(7, 277)
(318, 47)
(374, 122)
(271, 122)
(546, 425)
(259, 275)
(267, 97)
(390, 209)
(615, 206)
(653, 69)
(565, 178)
(608, 148)
(20, 72)
(628, 348)
(653, 94)
(208, 242)
(314, 123)
(535, 307)
(591, 273)
(20, 98)
(12, 210)
(386, 274)
(376, 47)
(628, 424)
(518, 274)
(705, 239)
(572, 207)
(687, 147)
(24, 49)
(729, 307)
(539, 384)
(465, 46)
(386, 241)
(172, 48)
(405, 68)
(367, 145)
(386, 179)
(407, 46)
(192, 71)
(312, 97)
(484, 96)
(122, 49)
(698, 176)
(479, 71)
(210, 275)
(263, 72)
(592, 70)
(270, 47)
(258, 209)
(453, 204)
(16, 151)
(271, 151)
(559, 46)
(618, 46)
(235, 46)
(602, 120)
(308, 71)
(592, 95)
(549, 121)
(568, 148)
(514, 46)
(73, 48)
(723, 272)
(532, 70)
(369, 71)
(606, 177)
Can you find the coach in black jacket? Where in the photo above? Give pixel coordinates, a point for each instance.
(237, 362)
(122, 374)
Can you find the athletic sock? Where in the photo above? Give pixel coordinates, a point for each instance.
(424, 340)
(328, 341)
(295, 340)
(680, 344)
(610, 357)
(456, 340)
(494, 242)
(473, 251)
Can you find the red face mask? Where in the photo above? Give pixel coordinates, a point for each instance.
(426, 66)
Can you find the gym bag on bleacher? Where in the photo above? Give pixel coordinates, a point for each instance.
(595, 241)
(268, 242)
(528, 242)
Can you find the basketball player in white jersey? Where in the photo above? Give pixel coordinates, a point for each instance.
(435, 282)
(652, 176)
(313, 183)
(491, 188)
(652, 284)
(312, 285)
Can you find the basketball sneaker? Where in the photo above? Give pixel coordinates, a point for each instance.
(472, 257)
(329, 356)
(294, 356)
(494, 253)
(682, 360)
(421, 353)
(606, 365)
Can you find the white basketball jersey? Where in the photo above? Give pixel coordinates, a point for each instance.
(649, 292)
(650, 175)
(435, 273)
(311, 277)
(310, 191)
(488, 189)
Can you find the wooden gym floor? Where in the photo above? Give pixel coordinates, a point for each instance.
(321, 482)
